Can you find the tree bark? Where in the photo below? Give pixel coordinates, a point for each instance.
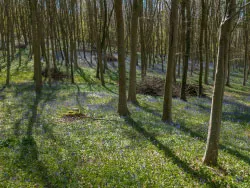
(167, 104)
(142, 40)
(133, 56)
(212, 147)
(187, 52)
(36, 45)
(201, 46)
(122, 104)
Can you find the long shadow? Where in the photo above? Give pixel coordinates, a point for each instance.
(87, 79)
(112, 75)
(3, 88)
(23, 87)
(90, 81)
(28, 159)
(77, 98)
(240, 112)
(79, 103)
(196, 174)
(203, 138)
(84, 76)
(239, 92)
(227, 149)
(19, 122)
(239, 147)
(47, 129)
(203, 108)
(26, 113)
(110, 90)
(148, 110)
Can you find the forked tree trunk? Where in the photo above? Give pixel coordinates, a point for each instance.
(211, 153)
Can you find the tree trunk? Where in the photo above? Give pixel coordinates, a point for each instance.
(36, 45)
(167, 104)
(201, 46)
(133, 59)
(211, 153)
(8, 44)
(246, 55)
(206, 37)
(187, 52)
(122, 104)
(142, 40)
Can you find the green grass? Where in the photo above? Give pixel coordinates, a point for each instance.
(40, 148)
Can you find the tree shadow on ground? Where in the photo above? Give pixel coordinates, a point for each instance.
(28, 157)
(3, 88)
(199, 175)
(78, 100)
(239, 147)
(86, 78)
(113, 75)
(240, 112)
(27, 110)
(110, 90)
(234, 89)
(147, 109)
(203, 137)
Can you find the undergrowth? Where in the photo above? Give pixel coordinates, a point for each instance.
(39, 147)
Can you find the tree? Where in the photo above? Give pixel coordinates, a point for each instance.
(202, 27)
(187, 51)
(122, 104)
(167, 104)
(36, 44)
(7, 46)
(133, 56)
(142, 41)
(246, 43)
(206, 38)
(98, 38)
(211, 153)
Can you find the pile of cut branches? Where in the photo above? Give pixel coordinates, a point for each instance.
(56, 74)
(110, 58)
(154, 86)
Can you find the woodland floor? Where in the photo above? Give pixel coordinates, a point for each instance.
(45, 143)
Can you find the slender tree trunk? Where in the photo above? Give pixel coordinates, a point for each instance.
(206, 37)
(142, 40)
(211, 153)
(133, 59)
(36, 45)
(122, 104)
(187, 52)
(8, 44)
(229, 64)
(246, 56)
(167, 104)
(201, 46)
